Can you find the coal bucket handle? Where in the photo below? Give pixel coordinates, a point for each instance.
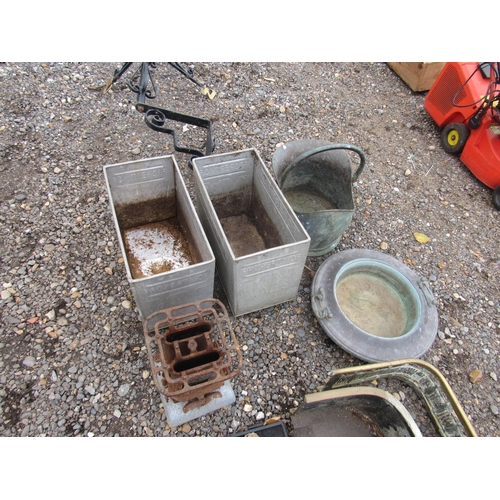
(322, 149)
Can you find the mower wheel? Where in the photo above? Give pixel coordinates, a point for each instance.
(453, 137)
(496, 197)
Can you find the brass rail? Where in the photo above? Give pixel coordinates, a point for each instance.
(427, 366)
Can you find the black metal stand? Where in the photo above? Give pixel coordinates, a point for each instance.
(142, 83)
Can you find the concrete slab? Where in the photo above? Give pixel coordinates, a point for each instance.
(176, 416)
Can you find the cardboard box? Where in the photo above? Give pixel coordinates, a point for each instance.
(419, 76)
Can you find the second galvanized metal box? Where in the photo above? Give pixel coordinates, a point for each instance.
(259, 244)
(149, 192)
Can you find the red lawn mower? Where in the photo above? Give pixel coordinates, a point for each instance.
(465, 101)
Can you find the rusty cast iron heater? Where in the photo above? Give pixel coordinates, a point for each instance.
(193, 353)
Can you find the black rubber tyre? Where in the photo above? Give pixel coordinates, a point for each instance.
(496, 197)
(453, 137)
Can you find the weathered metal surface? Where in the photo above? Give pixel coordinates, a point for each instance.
(152, 191)
(316, 178)
(427, 382)
(192, 350)
(389, 316)
(232, 185)
(353, 412)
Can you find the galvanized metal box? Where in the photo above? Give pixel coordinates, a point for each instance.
(150, 191)
(259, 244)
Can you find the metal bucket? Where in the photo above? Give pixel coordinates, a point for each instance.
(316, 178)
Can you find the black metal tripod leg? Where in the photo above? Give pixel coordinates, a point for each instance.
(145, 77)
(188, 73)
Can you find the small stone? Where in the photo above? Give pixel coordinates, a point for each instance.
(123, 390)
(145, 374)
(20, 197)
(186, 428)
(475, 376)
(29, 361)
(90, 389)
(51, 315)
(11, 320)
(407, 172)
(108, 270)
(5, 294)
(57, 170)
(117, 413)
(62, 322)
(493, 375)
(49, 247)
(136, 151)
(247, 408)
(260, 415)
(384, 246)
(73, 345)
(494, 409)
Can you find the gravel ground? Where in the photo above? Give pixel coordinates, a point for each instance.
(73, 360)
